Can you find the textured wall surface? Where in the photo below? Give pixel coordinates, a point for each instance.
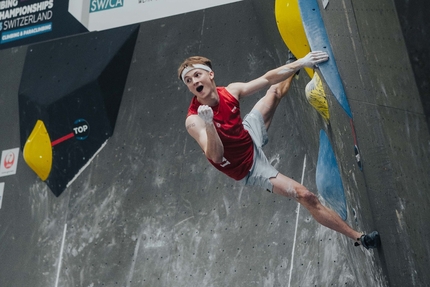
(150, 210)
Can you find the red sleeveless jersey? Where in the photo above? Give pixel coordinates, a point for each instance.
(238, 145)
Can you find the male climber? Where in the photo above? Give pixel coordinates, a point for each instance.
(234, 146)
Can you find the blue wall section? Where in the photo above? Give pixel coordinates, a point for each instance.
(328, 180)
(318, 40)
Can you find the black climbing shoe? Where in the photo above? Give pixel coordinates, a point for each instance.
(292, 58)
(371, 240)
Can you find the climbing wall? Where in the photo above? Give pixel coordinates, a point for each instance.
(149, 210)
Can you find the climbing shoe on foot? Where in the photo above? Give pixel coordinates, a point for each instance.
(370, 241)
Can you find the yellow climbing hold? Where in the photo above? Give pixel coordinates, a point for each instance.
(316, 97)
(290, 26)
(38, 151)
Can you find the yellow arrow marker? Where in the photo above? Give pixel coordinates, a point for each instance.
(38, 151)
(291, 28)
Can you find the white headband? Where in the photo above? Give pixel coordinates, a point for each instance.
(194, 66)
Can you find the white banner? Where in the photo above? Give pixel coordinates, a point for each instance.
(97, 15)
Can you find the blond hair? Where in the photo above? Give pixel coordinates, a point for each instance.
(191, 61)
